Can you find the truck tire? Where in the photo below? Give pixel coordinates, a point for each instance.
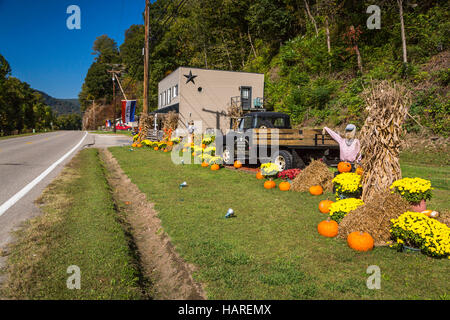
(265, 125)
(284, 159)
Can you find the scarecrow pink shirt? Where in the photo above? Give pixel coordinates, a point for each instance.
(347, 153)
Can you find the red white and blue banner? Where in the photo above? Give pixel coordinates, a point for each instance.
(128, 110)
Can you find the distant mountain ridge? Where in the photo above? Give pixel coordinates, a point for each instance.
(61, 106)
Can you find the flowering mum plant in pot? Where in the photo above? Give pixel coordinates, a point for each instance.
(348, 185)
(415, 190)
(214, 160)
(269, 170)
(289, 174)
(208, 139)
(414, 229)
(339, 209)
(210, 150)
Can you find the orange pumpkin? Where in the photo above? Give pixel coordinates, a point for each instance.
(324, 206)
(203, 146)
(270, 184)
(205, 164)
(427, 212)
(193, 153)
(139, 145)
(344, 167)
(259, 176)
(165, 150)
(360, 241)
(134, 145)
(328, 228)
(237, 164)
(170, 143)
(155, 148)
(359, 171)
(284, 186)
(316, 190)
(215, 167)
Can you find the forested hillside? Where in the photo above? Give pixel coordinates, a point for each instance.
(318, 56)
(61, 106)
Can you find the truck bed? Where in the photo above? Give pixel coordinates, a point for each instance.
(294, 138)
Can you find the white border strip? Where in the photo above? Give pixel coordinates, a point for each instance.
(9, 203)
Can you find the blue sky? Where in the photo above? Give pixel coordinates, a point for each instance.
(45, 53)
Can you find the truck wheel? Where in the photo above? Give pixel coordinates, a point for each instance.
(265, 125)
(283, 159)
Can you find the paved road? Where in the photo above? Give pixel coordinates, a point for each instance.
(23, 159)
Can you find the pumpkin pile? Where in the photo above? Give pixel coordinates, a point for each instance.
(315, 174)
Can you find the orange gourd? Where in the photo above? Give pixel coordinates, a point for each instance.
(237, 164)
(170, 143)
(155, 148)
(328, 228)
(165, 150)
(139, 145)
(316, 190)
(360, 241)
(344, 167)
(270, 184)
(205, 164)
(284, 186)
(259, 176)
(215, 167)
(203, 146)
(134, 145)
(324, 206)
(359, 171)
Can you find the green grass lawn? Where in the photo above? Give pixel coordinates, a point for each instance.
(272, 249)
(80, 226)
(126, 133)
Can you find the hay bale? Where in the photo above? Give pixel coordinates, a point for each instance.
(444, 217)
(316, 173)
(374, 217)
(387, 107)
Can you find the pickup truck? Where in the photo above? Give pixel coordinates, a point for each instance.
(296, 147)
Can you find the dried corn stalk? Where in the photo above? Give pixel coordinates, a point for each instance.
(387, 106)
(235, 112)
(145, 125)
(170, 121)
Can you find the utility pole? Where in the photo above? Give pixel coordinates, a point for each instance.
(114, 72)
(146, 56)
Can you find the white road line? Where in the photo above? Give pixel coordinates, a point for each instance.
(9, 203)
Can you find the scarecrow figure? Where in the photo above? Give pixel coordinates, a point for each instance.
(349, 146)
(191, 129)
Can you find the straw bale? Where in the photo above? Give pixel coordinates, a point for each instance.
(374, 217)
(316, 173)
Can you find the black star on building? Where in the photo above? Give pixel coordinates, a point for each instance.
(190, 77)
